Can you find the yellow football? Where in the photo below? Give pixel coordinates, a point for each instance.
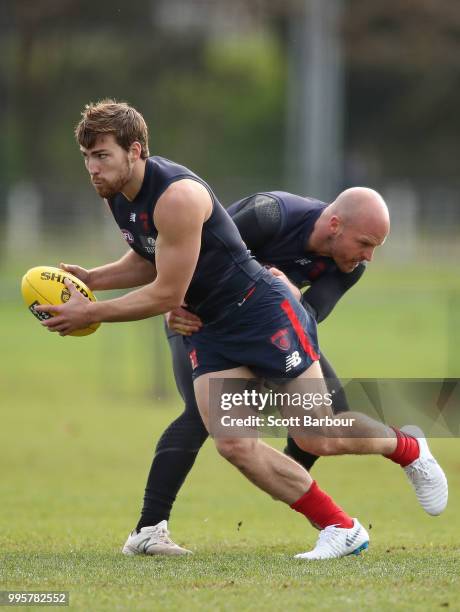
(45, 285)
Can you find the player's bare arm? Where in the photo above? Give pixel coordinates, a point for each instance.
(179, 217)
(131, 270)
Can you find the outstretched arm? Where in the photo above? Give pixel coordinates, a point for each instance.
(131, 270)
(324, 293)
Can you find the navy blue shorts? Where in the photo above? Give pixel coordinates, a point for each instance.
(268, 331)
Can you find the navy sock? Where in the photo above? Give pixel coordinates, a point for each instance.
(174, 457)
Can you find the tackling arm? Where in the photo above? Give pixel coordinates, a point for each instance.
(324, 293)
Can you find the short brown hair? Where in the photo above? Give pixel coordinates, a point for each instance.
(112, 117)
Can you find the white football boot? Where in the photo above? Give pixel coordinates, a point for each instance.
(426, 476)
(334, 542)
(153, 540)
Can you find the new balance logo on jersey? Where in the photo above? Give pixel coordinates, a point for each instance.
(132, 217)
(148, 242)
(293, 360)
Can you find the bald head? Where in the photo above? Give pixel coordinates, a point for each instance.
(364, 207)
(352, 227)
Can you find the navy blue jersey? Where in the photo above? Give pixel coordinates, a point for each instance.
(225, 269)
(276, 226)
(286, 249)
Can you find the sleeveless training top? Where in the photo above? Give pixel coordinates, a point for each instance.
(225, 269)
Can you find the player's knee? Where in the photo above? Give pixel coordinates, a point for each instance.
(236, 450)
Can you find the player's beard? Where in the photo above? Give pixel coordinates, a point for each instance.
(108, 190)
(343, 262)
(351, 265)
(346, 265)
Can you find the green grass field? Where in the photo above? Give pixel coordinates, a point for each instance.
(80, 418)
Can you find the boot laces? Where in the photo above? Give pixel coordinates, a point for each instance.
(326, 534)
(420, 467)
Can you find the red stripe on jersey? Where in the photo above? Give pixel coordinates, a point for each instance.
(307, 347)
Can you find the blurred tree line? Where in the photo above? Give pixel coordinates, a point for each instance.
(403, 84)
(215, 99)
(212, 104)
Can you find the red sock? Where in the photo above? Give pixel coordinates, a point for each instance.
(407, 449)
(321, 510)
